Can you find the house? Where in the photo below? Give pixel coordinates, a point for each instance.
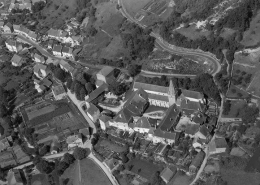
(40, 86)
(67, 52)
(53, 33)
(8, 28)
(106, 75)
(16, 177)
(218, 145)
(196, 162)
(143, 125)
(39, 58)
(2, 24)
(36, 1)
(24, 31)
(93, 112)
(4, 144)
(57, 50)
(111, 164)
(17, 60)
(17, 28)
(41, 71)
(13, 45)
(55, 147)
(192, 96)
(159, 136)
(59, 92)
(33, 36)
(85, 132)
(68, 68)
(74, 141)
(134, 106)
(7, 159)
(167, 174)
(103, 121)
(96, 93)
(20, 156)
(190, 129)
(203, 133)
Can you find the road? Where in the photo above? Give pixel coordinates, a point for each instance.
(173, 49)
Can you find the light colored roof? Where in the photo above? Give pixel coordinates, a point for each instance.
(16, 27)
(32, 34)
(191, 129)
(191, 105)
(46, 82)
(66, 65)
(164, 134)
(92, 110)
(39, 67)
(2, 23)
(36, 55)
(151, 87)
(16, 59)
(57, 90)
(142, 122)
(52, 32)
(191, 94)
(105, 71)
(104, 118)
(73, 138)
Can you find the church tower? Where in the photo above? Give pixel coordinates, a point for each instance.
(171, 94)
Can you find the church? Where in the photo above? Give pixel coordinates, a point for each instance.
(158, 95)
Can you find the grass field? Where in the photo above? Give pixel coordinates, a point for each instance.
(133, 6)
(251, 37)
(234, 92)
(89, 172)
(180, 180)
(236, 106)
(112, 146)
(144, 168)
(111, 25)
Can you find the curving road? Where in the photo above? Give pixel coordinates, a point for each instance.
(174, 49)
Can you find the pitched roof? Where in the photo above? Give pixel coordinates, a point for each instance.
(67, 66)
(32, 34)
(16, 27)
(72, 139)
(24, 29)
(92, 110)
(52, 32)
(84, 131)
(104, 118)
(203, 130)
(123, 116)
(41, 58)
(191, 105)
(105, 71)
(8, 25)
(94, 94)
(37, 67)
(151, 87)
(2, 23)
(170, 118)
(57, 90)
(65, 49)
(142, 122)
(46, 82)
(16, 59)
(158, 97)
(167, 174)
(191, 94)
(197, 161)
(166, 135)
(57, 48)
(111, 163)
(221, 142)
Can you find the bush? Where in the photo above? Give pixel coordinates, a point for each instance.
(80, 153)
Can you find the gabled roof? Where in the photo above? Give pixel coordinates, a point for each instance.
(203, 130)
(57, 48)
(24, 29)
(84, 131)
(52, 32)
(92, 110)
(67, 66)
(73, 138)
(151, 87)
(158, 97)
(167, 174)
(39, 67)
(16, 27)
(197, 161)
(8, 25)
(104, 118)
(41, 58)
(105, 71)
(191, 94)
(46, 82)
(65, 49)
(57, 90)
(123, 116)
(16, 59)
(166, 135)
(170, 118)
(94, 94)
(192, 129)
(191, 105)
(142, 122)
(221, 142)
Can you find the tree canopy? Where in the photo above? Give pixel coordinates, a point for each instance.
(80, 153)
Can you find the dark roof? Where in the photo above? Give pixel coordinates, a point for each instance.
(94, 94)
(166, 135)
(199, 119)
(46, 82)
(191, 129)
(142, 122)
(191, 105)
(123, 116)
(8, 25)
(158, 97)
(191, 94)
(104, 118)
(221, 142)
(111, 163)
(137, 102)
(151, 87)
(203, 129)
(59, 89)
(84, 131)
(170, 118)
(65, 49)
(57, 48)
(197, 161)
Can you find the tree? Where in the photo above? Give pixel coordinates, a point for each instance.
(116, 172)
(69, 83)
(38, 6)
(3, 110)
(44, 150)
(60, 74)
(121, 168)
(45, 167)
(62, 167)
(134, 69)
(68, 158)
(89, 87)
(124, 158)
(92, 31)
(3, 175)
(156, 179)
(118, 88)
(80, 153)
(82, 93)
(226, 107)
(249, 114)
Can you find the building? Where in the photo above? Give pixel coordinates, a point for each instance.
(17, 28)
(106, 75)
(103, 121)
(167, 174)
(19, 154)
(218, 145)
(53, 33)
(59, 92)
(111, 164)
(143, 125)
(93, 112)
(192, 96)
(4, 144)
(40, 70)
(196, 162)
(160, 96)
(190, 108)
(40, 86)
(2, 24)
(134, 106)
(67, 67)
(8, 28)
(96, 93)
(24, 31)
(33, 36)
(203, 133)
(39, 58)
(67, 52)
(74, 141)
(13, 45)
(55, 147)
(17, 60)
(57, 50)
(36, 1)
(85, 132)
(7, 159)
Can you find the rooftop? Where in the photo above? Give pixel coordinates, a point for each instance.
(94, 94)
(57, 90)
(104, 118)
(16, 59)
(37, 67)
(197, 161)
(151, 87)
(170, 118)
(111, 163)
(57, 48)
(191, 94)
(166, 135)
(191, 105)
(167, 174)
(105, 71)
(32, 34)
(92, 110)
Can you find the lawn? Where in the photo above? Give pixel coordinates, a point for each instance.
(90, 173)
(112, 146)
(235, 92)
(144, 168)
(236, 106)
(251, 37)
(111, 26)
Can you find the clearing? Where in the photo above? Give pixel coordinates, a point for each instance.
(251, 37)
(192, 32)
(84, 172)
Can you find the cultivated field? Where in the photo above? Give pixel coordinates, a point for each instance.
(252, 36)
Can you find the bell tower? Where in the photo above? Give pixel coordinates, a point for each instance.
(171, 94)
